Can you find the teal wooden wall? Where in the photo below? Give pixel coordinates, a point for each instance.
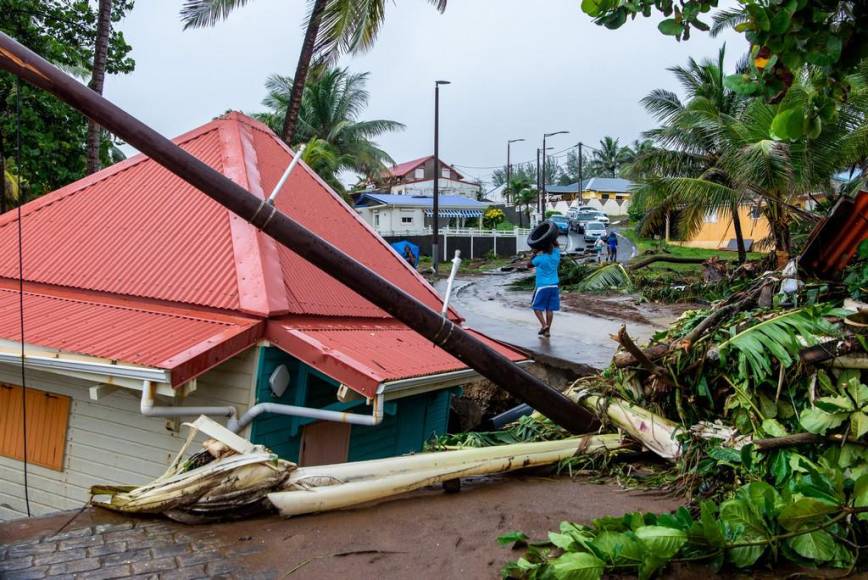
(407, 424)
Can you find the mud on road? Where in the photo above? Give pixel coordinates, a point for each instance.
(424, 534)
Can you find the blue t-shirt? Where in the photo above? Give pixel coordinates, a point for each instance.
(547, 268)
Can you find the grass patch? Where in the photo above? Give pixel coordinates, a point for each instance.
(644, 245)
(468, 266)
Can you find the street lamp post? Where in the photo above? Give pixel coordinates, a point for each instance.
(581, 181)
(543, 208)
(435, 238)
(508, 166)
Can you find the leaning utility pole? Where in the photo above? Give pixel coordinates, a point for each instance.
(442, 331)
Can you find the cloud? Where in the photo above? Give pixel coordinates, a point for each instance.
(518, 69)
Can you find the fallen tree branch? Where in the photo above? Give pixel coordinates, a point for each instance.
(802, 439)
(626, 359)
(627, 343)
(644, 262)
(714, 319)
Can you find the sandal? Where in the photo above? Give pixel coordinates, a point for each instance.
(542, 331)
(546, 333)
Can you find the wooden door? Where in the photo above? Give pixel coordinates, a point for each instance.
(324, 443)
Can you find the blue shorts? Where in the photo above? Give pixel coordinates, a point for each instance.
(546, 298)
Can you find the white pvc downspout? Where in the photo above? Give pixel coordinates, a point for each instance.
(149, 410)
(375, 418)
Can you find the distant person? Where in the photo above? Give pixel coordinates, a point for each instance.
(612, 241)
(546, 294)
(598, 248)
(409, 256)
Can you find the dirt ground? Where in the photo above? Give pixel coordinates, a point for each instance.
(425, 534)
(623, 308)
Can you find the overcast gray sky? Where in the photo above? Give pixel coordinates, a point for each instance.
(519, 68)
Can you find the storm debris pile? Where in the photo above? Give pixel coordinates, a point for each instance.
(759, 404)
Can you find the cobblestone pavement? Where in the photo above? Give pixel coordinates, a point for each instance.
(140, 549)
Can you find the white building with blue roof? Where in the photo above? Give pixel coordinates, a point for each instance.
(391, 214)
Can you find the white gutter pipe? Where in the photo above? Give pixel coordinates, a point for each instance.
(149, 410)
(236, 425)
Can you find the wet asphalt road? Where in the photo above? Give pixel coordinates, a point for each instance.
(488, 304)
(576, 242)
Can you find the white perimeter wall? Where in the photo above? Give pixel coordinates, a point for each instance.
(109, 441)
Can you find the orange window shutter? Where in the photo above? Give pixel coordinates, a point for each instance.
(47, 422)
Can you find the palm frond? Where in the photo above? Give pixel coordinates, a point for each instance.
(726, 19)
(780, 337)
(201, 13)
(609, 277)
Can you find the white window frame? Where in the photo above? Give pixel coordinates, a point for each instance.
(711, 216)
(445, 173)
(419, 173)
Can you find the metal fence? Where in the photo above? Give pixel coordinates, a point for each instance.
(473, 242)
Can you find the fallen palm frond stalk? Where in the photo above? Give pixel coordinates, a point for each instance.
(329, 487)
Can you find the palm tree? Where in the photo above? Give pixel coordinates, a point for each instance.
(100, 59)
(329, 122)
(333, 27)
(526, 197)
(515, 186)
(609, 158)
(772, 173)
(689, 146)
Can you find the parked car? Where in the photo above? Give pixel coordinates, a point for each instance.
(587, 214)
(595, 230)
(562, 222)
(601, 217)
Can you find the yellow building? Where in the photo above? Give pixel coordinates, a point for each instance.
(717, 231)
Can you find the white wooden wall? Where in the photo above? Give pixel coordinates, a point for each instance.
(109, 441)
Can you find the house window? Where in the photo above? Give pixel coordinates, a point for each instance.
(755, 213)
(420, 173)
(376, 219)
(47, 420)
(604, 196)
(711, 216)
(407, 220)
(446, 173)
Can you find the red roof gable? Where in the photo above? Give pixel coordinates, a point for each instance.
(406, 167)
(135, 231)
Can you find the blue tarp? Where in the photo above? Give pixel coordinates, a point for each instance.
(403, 247)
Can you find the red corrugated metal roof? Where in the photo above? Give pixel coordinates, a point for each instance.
(182, 341)
(363, 353)
(835, 241)
(137, 233)
(407, 166)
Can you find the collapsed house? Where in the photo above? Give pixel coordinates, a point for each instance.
(143, 296)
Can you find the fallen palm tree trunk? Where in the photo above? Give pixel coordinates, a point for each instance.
(233, 478)
(329, 487)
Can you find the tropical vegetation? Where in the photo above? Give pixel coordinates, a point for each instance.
(784, 36)
(53, 135)
(720, 151)
(333, 27)
(336, 139)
